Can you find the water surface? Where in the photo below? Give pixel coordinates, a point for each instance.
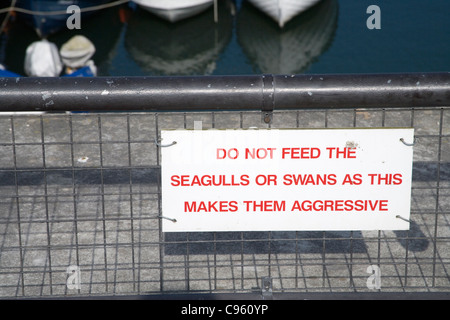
(332, 37)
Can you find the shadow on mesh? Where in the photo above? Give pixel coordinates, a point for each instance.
(263, 243)
(413, 239)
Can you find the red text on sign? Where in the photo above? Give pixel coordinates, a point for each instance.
(259, 153)
(209, 180)
(232, 153)
(341, 205)
(300, 153)
(309, 179)
(269, 180)
(341, 153)
(385, 179)
(210, 206)
(265, 205)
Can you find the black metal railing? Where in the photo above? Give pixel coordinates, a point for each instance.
(254, 92)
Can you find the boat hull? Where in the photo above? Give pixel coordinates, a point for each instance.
(46, 25)
(174, 11)
(282, 11)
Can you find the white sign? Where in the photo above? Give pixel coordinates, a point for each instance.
(286, 180)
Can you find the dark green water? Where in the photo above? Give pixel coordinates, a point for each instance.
(329, 38)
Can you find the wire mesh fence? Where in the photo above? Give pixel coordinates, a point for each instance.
(80, 199)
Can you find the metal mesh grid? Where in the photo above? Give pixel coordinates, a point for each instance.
(80, 196)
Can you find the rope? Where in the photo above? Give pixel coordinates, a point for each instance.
(5, 21)
(51, 13)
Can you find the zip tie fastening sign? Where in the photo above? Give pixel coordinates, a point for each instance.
(167, 218)
(408, 144)
(157, 142)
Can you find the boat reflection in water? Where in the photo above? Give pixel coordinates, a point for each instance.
(188, 47)
(289, 50)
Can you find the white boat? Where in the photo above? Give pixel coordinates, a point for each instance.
(175, 10)
(283, 10)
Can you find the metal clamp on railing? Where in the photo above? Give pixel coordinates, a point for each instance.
(268, 102)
